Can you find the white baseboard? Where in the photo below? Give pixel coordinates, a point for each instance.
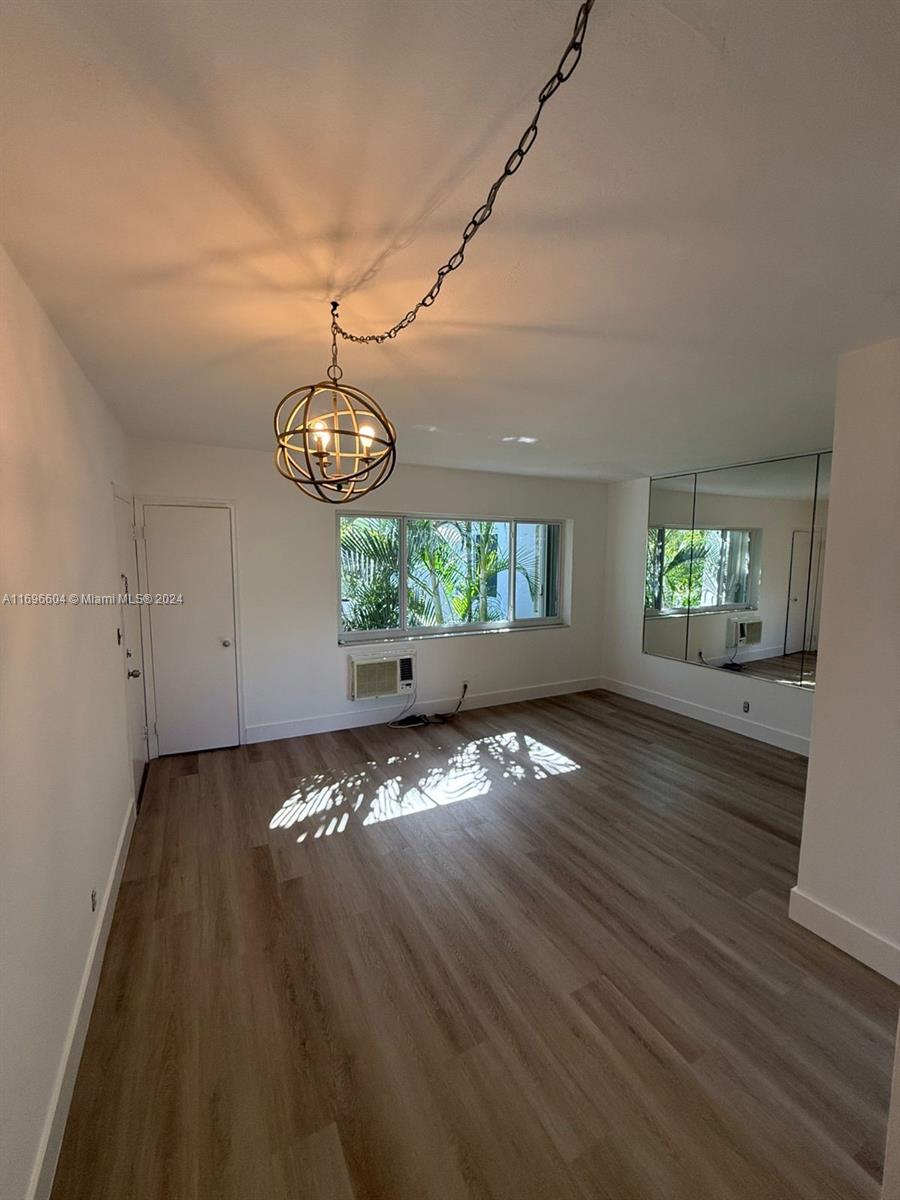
(712, 716)
(877, 952)
(44, 1169)
(365, 713)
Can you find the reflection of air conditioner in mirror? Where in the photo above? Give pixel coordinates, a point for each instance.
(742, 632)
(371, 678)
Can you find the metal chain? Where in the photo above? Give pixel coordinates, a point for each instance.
(334, 372)
(567, 65)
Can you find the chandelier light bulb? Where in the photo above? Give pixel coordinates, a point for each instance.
(321, 435)
(366, 434)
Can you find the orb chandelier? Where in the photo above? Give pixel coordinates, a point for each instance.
(334, 441)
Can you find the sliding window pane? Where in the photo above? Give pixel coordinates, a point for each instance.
(370, 573)
(457, 572)
(537, 571)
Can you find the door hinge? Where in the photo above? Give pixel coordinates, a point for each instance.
(146, 731)
(118, 636)
(137, 532)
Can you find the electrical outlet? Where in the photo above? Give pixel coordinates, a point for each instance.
(93, 899)
(746, 706)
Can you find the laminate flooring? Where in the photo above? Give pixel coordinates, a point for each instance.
(798, 669)
(542, 952)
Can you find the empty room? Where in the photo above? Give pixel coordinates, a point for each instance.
(450, 600)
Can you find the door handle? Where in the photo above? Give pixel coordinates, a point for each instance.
(134, 673)
(226, 642)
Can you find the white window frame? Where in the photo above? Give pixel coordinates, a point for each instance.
(407, 633)
(753, 574)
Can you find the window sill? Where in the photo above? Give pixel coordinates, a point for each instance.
(733, 611)
(388, 639)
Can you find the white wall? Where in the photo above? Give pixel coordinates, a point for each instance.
(778, 714)
(295, 674)
(67, 790)
(849, 883)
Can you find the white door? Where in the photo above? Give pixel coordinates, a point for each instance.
(797, 592)
(130, 640)
(190, 559)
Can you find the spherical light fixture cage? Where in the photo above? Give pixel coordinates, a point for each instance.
(334, 441)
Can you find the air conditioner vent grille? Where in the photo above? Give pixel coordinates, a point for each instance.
(371, 678)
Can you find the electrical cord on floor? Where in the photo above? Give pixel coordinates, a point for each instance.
(409, 720)
(731, 665)
(405, 718)
(443, 718)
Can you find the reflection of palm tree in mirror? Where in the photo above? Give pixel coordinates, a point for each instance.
(326, 802)
(674, 568)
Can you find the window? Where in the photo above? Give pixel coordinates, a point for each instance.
(457, 572)
(701, 569)
(537, 570)
(370, 572)
(410, 576)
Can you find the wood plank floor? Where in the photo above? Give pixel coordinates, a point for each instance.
(782, 668)
(542, 951)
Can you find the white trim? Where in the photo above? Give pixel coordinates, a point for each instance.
(711, 716)
(41, 1182)
(377, 714)
(121, 493)
(732, 610)
(423, 633)
(873, 949)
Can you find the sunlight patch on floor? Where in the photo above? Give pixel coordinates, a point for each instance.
(327, 803)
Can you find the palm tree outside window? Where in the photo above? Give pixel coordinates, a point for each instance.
(408, 576)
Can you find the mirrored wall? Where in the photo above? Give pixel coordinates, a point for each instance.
(734, 567)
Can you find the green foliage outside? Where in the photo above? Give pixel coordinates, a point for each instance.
(674, 576)
(457, 572)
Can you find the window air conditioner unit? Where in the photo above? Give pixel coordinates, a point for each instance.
(372, 678)
(742, 632)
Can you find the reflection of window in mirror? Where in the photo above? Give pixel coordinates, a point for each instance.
(668, 572)
(702, 570)
(734, 567)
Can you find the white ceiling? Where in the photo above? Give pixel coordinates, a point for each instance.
(708, 218)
